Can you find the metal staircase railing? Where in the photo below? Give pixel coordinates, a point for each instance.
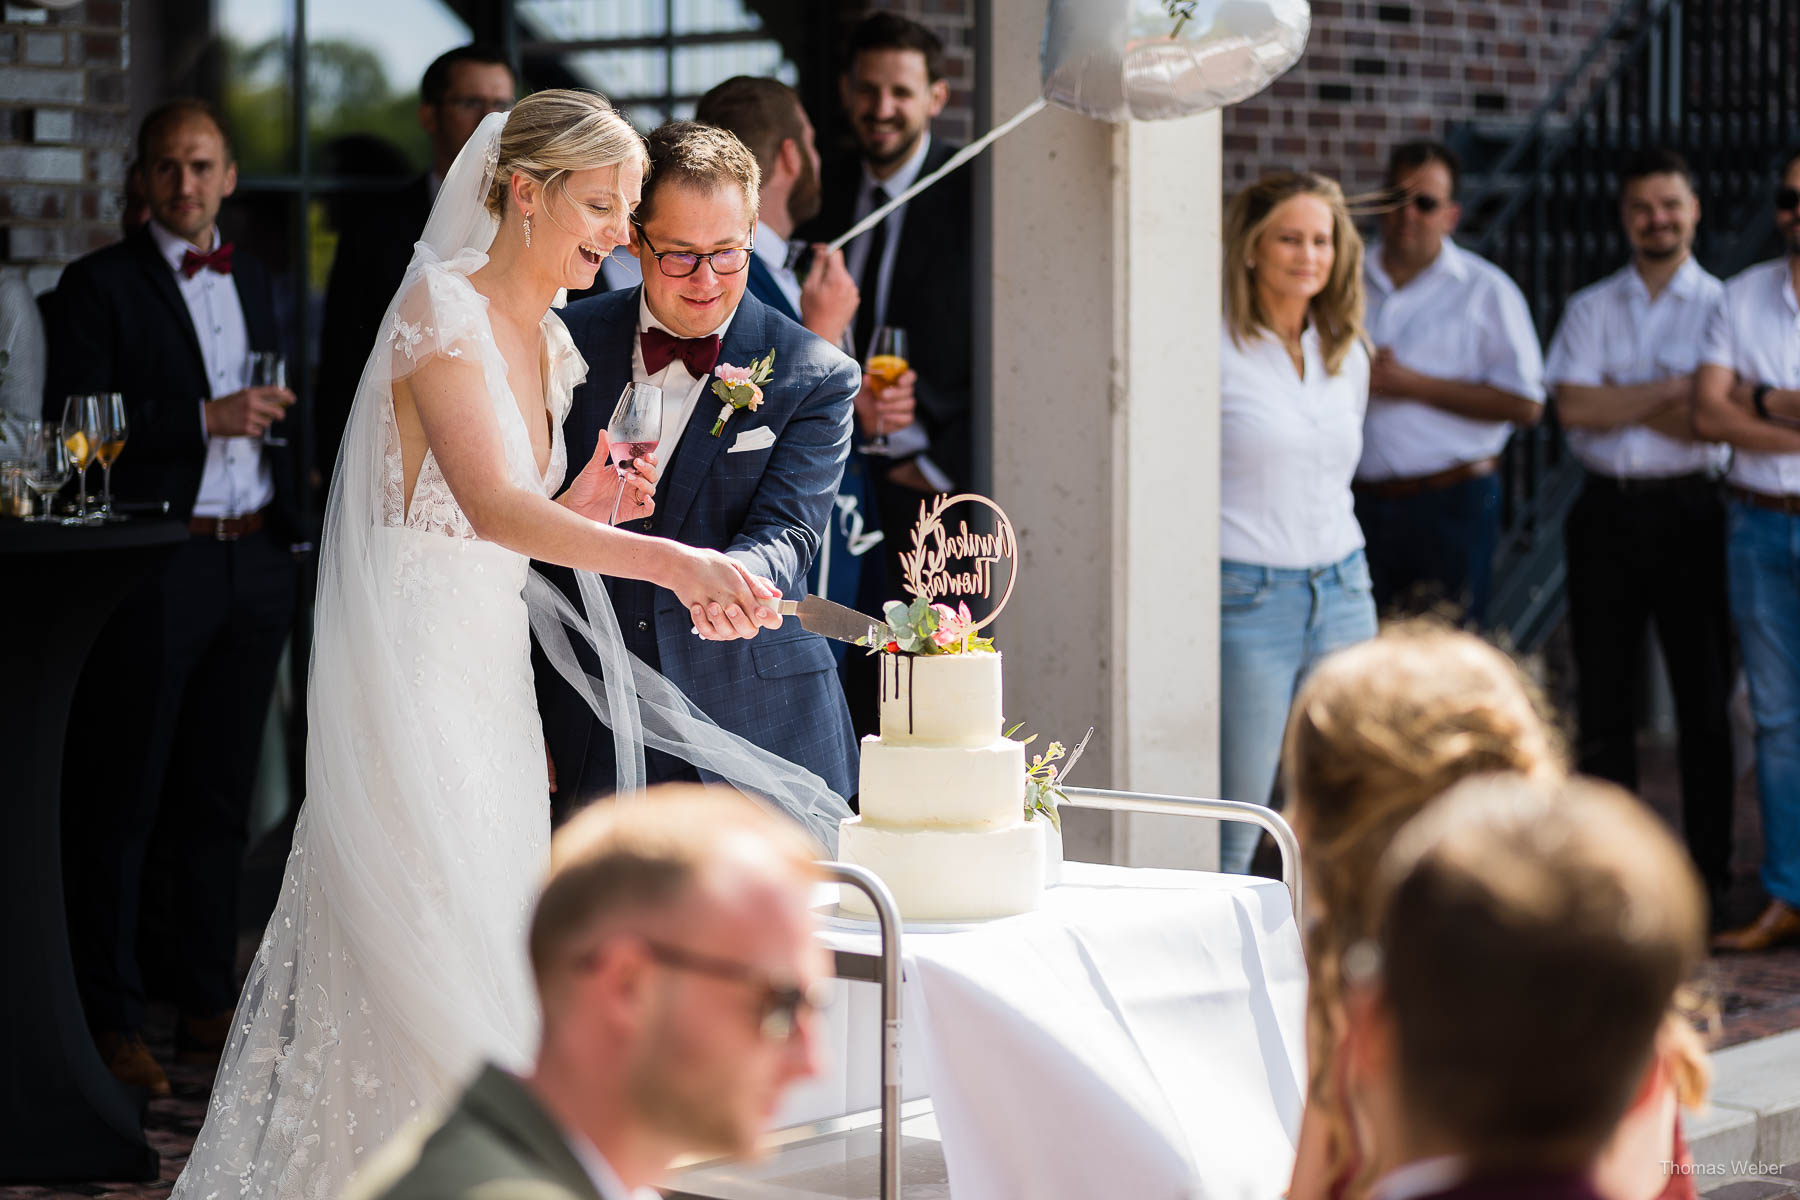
(1711, 78)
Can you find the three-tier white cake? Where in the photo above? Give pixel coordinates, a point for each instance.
(943, 796)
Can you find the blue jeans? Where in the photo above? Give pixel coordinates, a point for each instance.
(1274, 624)
(1764, 556)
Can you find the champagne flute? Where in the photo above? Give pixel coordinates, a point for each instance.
(113, 430)
(47, 466)
(268, 369)
(633, 431)
(886, 364)
(80, 435)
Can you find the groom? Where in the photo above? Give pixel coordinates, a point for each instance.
(760, 490)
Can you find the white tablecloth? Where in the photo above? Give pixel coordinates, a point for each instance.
(1139, 1035)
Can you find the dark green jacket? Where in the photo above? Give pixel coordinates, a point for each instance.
(498, 1143)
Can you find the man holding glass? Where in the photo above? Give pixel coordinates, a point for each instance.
(756, 483)
(179, 682)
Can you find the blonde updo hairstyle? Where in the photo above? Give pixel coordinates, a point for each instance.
(551, 133)
(1377, 732)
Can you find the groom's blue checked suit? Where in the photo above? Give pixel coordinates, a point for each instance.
(765, 507)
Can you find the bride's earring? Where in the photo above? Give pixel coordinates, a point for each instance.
(528, 230)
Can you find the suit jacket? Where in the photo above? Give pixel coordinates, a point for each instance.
(371, 260)
(766, 508)
(1521, 1185)
(930, 295)
(118, 324)
(762, 285)
(498, 1143)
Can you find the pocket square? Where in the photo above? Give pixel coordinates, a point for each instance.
(760, 438)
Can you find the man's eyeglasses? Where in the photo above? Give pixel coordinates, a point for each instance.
(679, 264)
(782, 1005)
(477, 104)
(1426, 204)
(1787, 199)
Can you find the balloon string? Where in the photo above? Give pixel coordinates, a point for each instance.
(956, 160)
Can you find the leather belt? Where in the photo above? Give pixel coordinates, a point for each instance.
(1639, 484)
(1781, 504)
(226, 529)
(1394, 489)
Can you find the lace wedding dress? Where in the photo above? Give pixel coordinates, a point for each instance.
(395, 961)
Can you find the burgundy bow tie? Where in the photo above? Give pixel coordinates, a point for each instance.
(219, 260)
(662, 348)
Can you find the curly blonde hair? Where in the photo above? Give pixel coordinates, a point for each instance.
(552, 133)
(1377, 732)
(1337, 311)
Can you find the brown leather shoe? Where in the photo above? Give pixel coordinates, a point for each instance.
(130, 1062)
(200, 1040)
(1778, 924)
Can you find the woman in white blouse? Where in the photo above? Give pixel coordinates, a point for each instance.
(1294, 382)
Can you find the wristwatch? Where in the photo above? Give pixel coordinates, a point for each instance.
(1759, 399)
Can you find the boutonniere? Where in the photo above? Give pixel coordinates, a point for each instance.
(741, 387)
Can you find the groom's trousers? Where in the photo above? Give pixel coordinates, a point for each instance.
(162, 755)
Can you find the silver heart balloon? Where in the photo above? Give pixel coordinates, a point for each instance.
(1121, 60)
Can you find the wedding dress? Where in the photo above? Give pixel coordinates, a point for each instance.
(395, 961)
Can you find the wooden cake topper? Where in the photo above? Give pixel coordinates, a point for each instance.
(959, 564)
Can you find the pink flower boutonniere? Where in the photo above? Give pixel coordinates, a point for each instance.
(741, 387)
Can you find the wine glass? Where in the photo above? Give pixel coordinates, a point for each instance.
(81, 437)
(47, 466)
(268, 369)
(113, 430)
(634, 430)
(886, 364)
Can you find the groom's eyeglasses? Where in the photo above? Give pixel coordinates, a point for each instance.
(679, 264)
(782, 1005)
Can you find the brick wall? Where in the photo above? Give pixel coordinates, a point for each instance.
(1377, 72)
(65, 132)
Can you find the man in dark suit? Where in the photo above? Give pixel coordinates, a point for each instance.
(766, 116)
(759, 489)
(679, 980)
(459, 88)
(1511, 1009)
(180, 680)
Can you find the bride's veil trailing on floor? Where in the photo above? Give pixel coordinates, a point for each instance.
(395, 959)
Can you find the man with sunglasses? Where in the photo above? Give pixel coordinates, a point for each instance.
(1646, 539)
(759, 489)
(458, 89)
(680, 981)
(1456, 367)
(1748, 395)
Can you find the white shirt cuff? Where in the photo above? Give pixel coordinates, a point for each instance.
(902, 443)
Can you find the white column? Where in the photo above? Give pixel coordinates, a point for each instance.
(1104, 383)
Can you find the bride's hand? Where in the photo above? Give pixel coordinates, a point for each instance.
(724, 600)
(592, 492)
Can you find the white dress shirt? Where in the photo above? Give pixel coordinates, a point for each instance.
(1460, 318)
(606, 1181)
(235, 480)
(1755, 331)
(1287, 449)
(856, 254)
(681, 391)
(772, 248)
(1426, 1177)
(1613, 334)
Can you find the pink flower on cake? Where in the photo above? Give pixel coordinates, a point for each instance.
(952, 623)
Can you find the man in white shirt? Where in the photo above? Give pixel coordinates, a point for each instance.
(1646, 539)
(168, 318)
(1468, 1086)
(1456, 368)
(680, 981)
(1748, 394)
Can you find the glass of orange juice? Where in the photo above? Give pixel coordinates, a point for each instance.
(886, 364)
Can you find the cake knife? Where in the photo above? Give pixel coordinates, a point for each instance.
(821, 616)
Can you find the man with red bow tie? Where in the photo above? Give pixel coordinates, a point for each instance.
(179, 682)
(760, 489)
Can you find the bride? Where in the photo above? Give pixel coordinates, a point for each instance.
(395, 960)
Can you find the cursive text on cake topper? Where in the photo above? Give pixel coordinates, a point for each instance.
(958, 562)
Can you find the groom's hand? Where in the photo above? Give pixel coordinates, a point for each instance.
(724, 621)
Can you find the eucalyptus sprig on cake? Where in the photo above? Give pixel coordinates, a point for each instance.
(926, 628)
(1043, 781)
